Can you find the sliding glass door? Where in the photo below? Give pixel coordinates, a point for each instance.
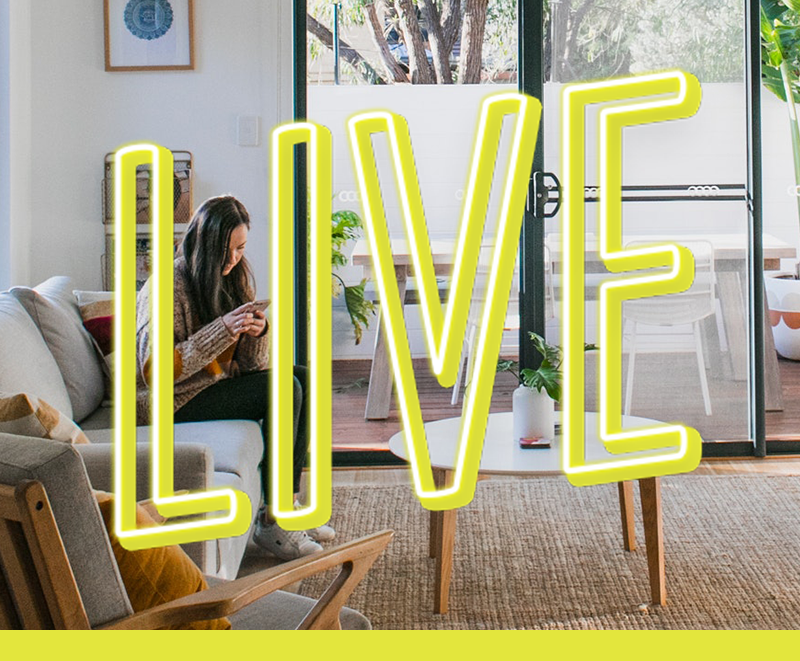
(697, 357)
(687, 357)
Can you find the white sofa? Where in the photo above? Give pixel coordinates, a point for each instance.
(46, 351)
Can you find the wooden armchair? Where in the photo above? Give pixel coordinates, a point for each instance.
(57, 569)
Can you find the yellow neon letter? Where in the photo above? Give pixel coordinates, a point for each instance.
(672, 95)
(444, 334)
(318, 140)
(235, 503)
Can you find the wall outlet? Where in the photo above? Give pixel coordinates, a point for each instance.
(247, 131)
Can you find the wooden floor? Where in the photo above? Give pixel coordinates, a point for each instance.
(656, 396)
(729, 422)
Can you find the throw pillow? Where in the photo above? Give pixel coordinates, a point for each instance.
(27, 415)
(52, 307)
(97, 312)
(158, 575)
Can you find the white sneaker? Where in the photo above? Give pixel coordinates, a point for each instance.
(287, 545)
(323, 533)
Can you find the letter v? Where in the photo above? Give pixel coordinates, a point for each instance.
(444, 334)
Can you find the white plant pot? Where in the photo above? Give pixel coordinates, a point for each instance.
(783, 299)
(534, 414)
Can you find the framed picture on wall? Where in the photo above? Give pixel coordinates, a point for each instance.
(149, 35)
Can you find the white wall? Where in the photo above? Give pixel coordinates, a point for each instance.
(5, 145)
(80, 112)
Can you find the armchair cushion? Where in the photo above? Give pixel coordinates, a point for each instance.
(60, 470)
(285, 610)
(158, 575)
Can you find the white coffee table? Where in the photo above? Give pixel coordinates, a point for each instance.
(502, 456)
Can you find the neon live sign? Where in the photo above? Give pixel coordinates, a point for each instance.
(638, 453)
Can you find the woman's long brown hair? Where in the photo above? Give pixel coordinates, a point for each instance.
(205, 248)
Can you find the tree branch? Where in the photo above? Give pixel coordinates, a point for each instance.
(472, 30)
(417, 58)
(349, 54)
(394, 71)
(451, 22)
(441, 54)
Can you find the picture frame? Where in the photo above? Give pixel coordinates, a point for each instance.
(149, 35)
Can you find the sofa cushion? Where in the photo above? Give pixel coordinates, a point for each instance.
(236, 444)
(26, 364)
(102, 418)
(157, 575)
(27, 415)
(53, 308)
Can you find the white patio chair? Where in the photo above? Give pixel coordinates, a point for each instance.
(689, 307)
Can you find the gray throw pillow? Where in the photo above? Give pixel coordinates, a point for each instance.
(53, 308)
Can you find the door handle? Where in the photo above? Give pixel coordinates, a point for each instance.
(546, 191)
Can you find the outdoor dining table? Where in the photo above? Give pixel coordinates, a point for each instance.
(730, 255)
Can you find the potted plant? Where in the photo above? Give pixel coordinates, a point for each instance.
(533, 402)
(346, 225)
(780, 38)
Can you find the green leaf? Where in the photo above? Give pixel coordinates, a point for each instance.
(546, 378)
(359, 309)
(548, 352)
(510, 366)
(766, 24)
(772, 9)
(771, 78)
(794, 5)
(345, 225)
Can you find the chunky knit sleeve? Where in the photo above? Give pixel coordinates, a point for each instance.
(252, 353)
(194, 351)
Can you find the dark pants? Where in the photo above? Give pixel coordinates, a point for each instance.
(246, 397)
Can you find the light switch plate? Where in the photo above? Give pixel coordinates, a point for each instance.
(247, 133)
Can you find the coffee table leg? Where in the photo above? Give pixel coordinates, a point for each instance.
(650, 490)
(626, 511)
(444, 562)
(435, 534)
(442, 541)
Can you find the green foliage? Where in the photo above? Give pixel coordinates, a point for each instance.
(701, 37)
(346, 225)
(500, 39)
(780, 56)
(780, 47)
(597, 39)
(548, 375)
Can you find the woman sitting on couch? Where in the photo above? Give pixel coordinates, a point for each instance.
(222, 351)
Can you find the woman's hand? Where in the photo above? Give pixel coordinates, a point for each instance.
(258, 325)
(239, 321)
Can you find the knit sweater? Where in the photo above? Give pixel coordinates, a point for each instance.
(203, 354)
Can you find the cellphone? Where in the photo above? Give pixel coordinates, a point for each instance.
(260, 305)
(528, 443)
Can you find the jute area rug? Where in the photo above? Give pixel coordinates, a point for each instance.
(541, 554)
